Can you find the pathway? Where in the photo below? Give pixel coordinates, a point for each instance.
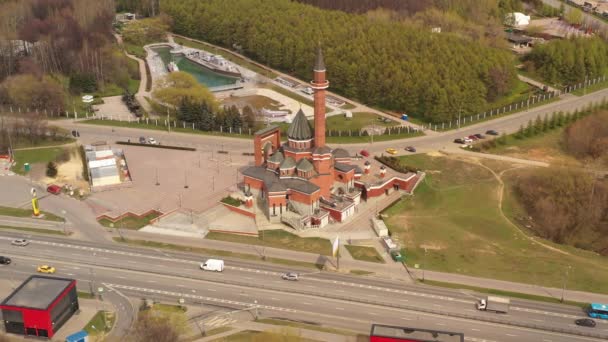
(142, 93)
(278, 329)
(538, 84)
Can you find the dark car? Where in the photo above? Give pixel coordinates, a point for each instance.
(480, 136)
(473, 137)
(5, 260)
(75, 134)
(585, 322)
(410, 149)
(491, 132)
(459, 141)
(142, 140)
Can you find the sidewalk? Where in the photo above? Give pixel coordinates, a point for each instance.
(305, 333)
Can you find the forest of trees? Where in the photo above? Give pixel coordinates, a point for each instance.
(388, 64)
(51, 41)
(569, 61)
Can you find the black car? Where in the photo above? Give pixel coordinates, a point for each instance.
(459, 141)
(410, 149)
(480, 136)
(5, 260)
(75, 134)
(142, 140)
(585, 322)
(491, 132)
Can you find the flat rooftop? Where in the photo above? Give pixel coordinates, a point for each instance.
(37, 292)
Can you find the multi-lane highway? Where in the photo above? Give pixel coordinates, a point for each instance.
(328, 298)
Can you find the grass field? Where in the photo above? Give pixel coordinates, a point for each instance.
(518, 93)
(307, 326)
(59, 140)
(100, 323)
(455, 216)
(364, 253)
(35, 230)
(544, 147)
(278, 239)
(19, 212)
(250, 335)
(129, 222)
(39, 156)
(590, 89)
(216, 252)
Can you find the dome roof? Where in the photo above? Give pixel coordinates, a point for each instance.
(288, 163)
(277, 157)
(299, 128)
(340, 153)
(304, 165)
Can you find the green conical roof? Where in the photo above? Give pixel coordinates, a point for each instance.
(277, 157)
(288, 163)
(304, 165)
(299, 128)
(319, 62)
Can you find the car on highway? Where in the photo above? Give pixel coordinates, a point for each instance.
(364, 153)
(20, 242)
(290, 276)
(152, 141)
(5, 260)
(46, 269)
(391, 150)
(410, 149)
(53, 189)
(585, 322)
(480, 136)
(142, 140)
(491, 132)
(459, 141)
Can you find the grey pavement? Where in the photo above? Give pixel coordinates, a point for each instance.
(589, 19)
(537, 84)
(289, 331)
(325, 298)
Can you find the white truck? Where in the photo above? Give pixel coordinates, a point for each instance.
(492, 303)
(213, 265)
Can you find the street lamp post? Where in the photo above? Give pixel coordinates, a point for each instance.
(565, 281)
(63, 212)
(423, 264)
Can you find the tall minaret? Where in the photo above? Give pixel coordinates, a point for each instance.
(319, 84)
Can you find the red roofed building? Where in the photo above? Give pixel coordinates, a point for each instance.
(303, 182)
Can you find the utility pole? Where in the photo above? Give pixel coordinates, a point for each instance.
(423, 264)
(565, 281)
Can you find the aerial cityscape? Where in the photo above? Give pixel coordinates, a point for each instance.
(304, 170)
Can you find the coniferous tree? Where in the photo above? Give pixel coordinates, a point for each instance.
(538, 125)
(553, 121)
(520, 132)
(530, 129)
(546, 123)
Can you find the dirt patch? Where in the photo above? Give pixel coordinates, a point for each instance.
(256, 102)
(435, 154)
(69, 172)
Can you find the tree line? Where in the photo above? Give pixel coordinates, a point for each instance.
(389, 64)
(569, 61)
(65, 45)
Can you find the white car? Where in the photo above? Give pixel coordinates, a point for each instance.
(20, 242)
(152, 141)
(467, 140)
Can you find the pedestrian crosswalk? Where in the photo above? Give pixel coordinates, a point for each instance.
(217, 321)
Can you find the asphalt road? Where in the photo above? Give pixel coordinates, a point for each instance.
(589, 18)
(331, 299)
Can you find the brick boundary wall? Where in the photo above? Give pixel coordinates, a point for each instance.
(129, 214)
(239, 210)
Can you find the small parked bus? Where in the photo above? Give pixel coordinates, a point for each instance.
(596, 310)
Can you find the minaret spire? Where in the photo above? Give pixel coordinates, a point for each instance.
(319, 84)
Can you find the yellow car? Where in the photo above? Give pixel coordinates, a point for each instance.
(391, 151)
(46, 269)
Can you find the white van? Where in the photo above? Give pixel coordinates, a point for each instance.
(213, 265)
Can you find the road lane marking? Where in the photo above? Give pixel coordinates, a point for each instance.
(475, 329)
(511, 335)
(339, 308)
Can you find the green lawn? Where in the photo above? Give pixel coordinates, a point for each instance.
(278, 239)
(546, 147)
(364, 253)
(216, 252)
(36, 158)
(102, 322)
(135, 50)
(590, 89)
(19, 212)
(169, 308)
(229, 56)
(250, 335)
(35, 230)
(85, 295)
(294, 324)
(129, 222)
(58, 140)
(518, 93)
(455, 216)
(505, 293)
(361, 272)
